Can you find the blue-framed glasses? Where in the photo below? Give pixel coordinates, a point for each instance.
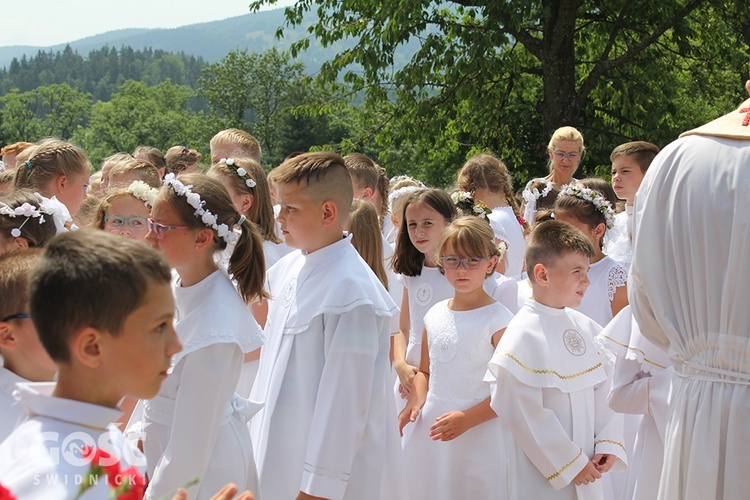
(15, 316)
(467, 262)
(160, 229)
(570, 156)
(136, 223)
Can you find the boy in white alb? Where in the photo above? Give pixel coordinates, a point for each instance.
(549, 379)
(327, 429)
(24, 358)
(106, 345)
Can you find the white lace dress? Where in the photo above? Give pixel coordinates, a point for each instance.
(472, 465)
(606, 277)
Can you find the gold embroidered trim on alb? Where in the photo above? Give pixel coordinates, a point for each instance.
(553, 372)
(616, 443)
(557, 474)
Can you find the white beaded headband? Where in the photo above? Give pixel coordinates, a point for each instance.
(530, 196)
(25, 210)
(594, 197)
(205, 216)
(249, 181)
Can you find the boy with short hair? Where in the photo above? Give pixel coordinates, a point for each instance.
(24, 358)
(549, 380)
(103, 308)
(327, 429)
(234, 143)
(630, 161)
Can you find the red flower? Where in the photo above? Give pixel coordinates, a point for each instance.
(5, 493)
(133, 486)
(124, 485)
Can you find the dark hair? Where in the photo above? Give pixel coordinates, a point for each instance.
(366, 173)
(552, 240)
(15, 267)
(247, 264)
(643, 153)
(581, 210)
(179, 158)
(34, 231)
(90, 278)
(603, 187)
(407, 260)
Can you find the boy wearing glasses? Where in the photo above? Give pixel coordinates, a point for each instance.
(549, 379)
(24, 358)
(327, 428)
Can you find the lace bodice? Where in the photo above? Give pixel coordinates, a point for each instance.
(460, 345)
(606, 277)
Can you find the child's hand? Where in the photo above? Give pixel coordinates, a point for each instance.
(407, 415)
(449, 426)
(588, 474)
(406, 374)
(603, 462)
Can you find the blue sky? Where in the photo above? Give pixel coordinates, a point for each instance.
(49, 22)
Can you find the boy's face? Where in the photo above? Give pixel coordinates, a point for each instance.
(25, 355)
(301, 218)
(220, 151)
(566, 282)
(136, 361)
(626, 177)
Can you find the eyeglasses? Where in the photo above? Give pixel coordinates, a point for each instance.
(136, 223)
(455, 262)
(160, 230)
(570, 156)
(15, 316)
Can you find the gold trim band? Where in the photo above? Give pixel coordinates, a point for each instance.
(610, 441)
(553, 372)
(566, 467)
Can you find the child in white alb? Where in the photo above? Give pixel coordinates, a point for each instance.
(456, 448)
(549, 379)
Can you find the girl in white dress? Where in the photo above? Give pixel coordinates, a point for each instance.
(425, 214)
(590, 212)
(489, 180)
(197, 426)
(456, 447)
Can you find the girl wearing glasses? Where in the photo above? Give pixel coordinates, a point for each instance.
(565, 151)
(125, 211)
(197, 426)
(456, 447)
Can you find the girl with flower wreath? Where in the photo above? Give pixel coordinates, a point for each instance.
(26, 221)
(197, 426)
(488, 180)
(589, 211)
(125, 211)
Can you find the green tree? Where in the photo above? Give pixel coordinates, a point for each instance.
(503, 74)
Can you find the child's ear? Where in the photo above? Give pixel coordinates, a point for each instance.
(204, 237)
(367, 193)
(61, 182)
(491, 265)
(7, 336)
(86, 347)
(330, 213)
(246, 203)
(541, 274)
(599, 230)
(21, 242)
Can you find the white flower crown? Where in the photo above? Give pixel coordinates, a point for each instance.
(594, 197)
(249, 181)
(25, 210)
(531, 196)
(143, 192)
(206, 217)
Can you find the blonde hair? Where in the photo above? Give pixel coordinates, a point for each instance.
(324, 175)
(244, 144)
(15, 268)
(155, 156)
(564, 134)
(261, 211)
(364, 227)
(469, 236)
(50, 159)
(368, 174)
(87, 212)
(144, 170)
(247, 265)
(97, 218)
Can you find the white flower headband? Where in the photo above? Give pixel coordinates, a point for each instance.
(143, 192)
(25, 210)
(206, 217)
(531, 196)
(465, 201)
(586, 194)
(249, 181)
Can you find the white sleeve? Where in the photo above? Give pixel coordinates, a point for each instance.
(345, 391)
(207, 384)
(536, 429)
(608, 428)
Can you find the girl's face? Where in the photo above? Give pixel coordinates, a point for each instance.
(127, 216)
(594, 235)
(565, 156)
(424, 225)
(463, 278)
(73, 190)
(177, 240)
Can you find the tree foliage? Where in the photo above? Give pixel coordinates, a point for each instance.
(501, 75)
